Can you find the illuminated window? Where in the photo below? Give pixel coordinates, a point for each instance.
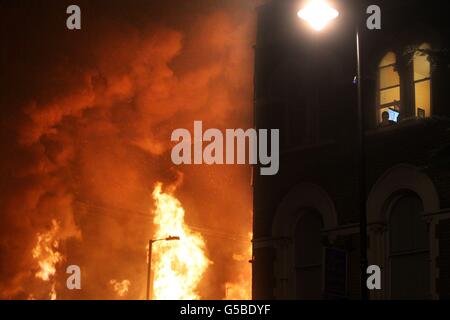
(389, 88)
(422, 82)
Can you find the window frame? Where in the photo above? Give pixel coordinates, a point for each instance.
(424, 45)
(396, 104)
(404, 253)
(308, 266)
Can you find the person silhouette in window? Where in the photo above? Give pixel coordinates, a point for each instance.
(385, 122)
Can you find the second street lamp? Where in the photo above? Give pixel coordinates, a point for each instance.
(149, 264)
(318, 13)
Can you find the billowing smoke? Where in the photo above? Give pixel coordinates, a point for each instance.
(86, 118)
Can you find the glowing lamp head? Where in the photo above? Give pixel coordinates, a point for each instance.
(318, 13)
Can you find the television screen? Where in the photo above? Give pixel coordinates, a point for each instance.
(393, 115)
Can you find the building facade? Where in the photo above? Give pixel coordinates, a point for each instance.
(306, 218)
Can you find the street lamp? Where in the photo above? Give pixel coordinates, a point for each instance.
(149, 265)
(318, 13)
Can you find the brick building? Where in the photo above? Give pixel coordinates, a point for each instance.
(304, 85)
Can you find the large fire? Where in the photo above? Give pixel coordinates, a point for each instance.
(178, 266)
(241, 288)
(85, 141)
(47, 256)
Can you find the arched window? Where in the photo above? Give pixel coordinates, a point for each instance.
(308, 256)
(422, 82)
(408, 250)
(388, 87)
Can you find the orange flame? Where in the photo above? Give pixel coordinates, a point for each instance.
(178, 266)
(242, 288)
(47, 255)
(52, 294)
(120, 287)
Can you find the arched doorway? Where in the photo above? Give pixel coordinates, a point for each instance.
(408, 248)
(297, 229)
(402, 240)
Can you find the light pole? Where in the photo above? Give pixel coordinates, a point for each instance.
(318, 14)
(149, 264)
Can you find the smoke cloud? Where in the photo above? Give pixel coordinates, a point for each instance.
(85, 134)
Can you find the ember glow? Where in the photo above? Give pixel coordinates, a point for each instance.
(178, 266)
(120, 287)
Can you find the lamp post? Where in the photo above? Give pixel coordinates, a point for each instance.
(149, 264)
(318, 14)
